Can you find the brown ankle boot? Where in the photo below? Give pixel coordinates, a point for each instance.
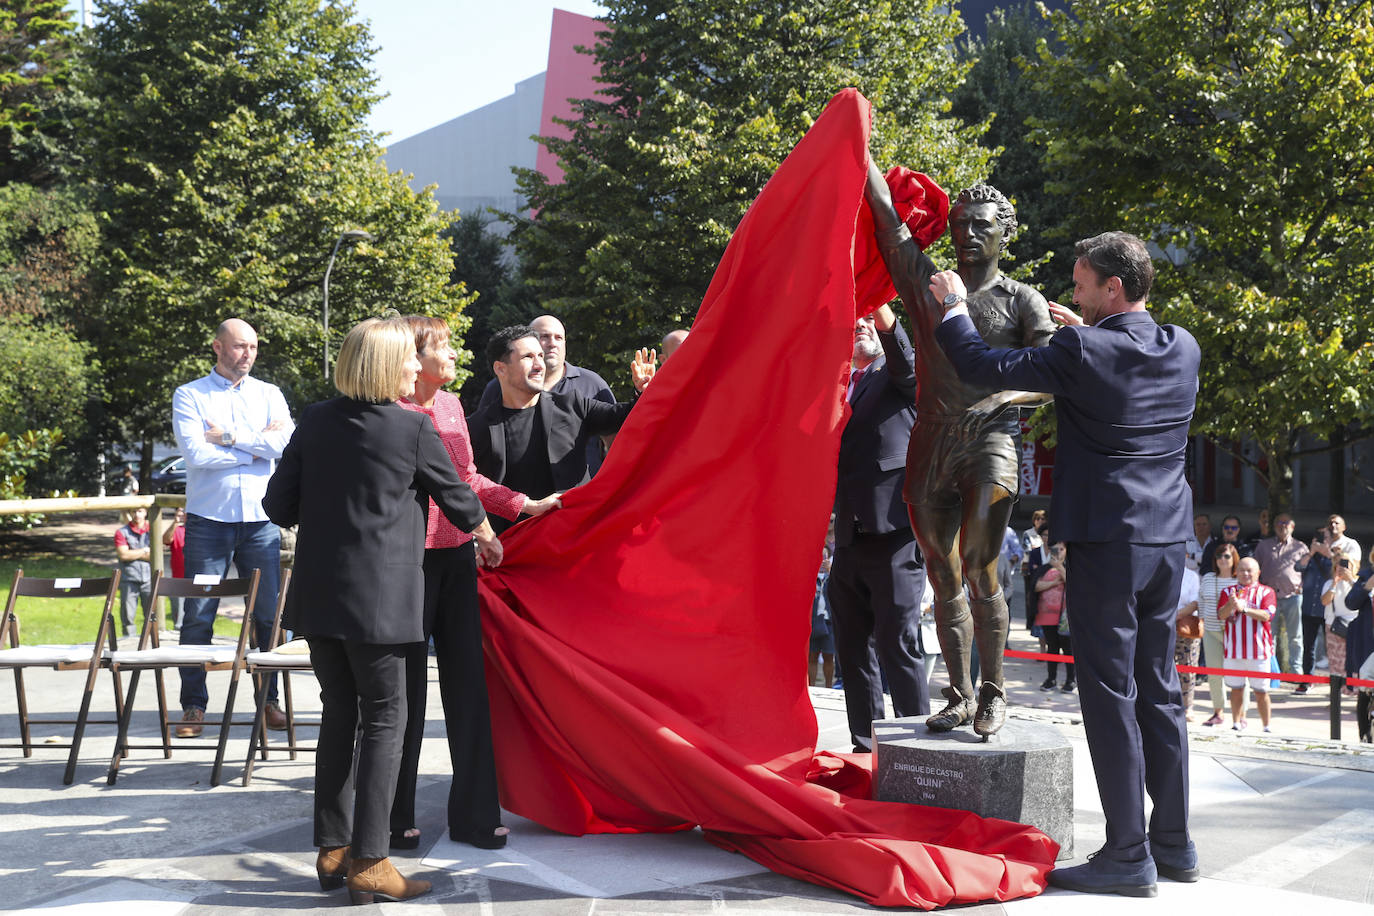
(332, 866)
(378, 879)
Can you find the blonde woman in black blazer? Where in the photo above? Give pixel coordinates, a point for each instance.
(357, 477)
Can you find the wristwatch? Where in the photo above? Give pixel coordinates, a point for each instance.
(226, 438)
(953, 299)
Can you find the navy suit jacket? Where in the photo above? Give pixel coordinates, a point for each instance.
(1124, 393)
(874, 443)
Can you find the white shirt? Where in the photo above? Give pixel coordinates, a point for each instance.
(226, 483)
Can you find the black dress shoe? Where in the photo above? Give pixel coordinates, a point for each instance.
(399, 840)
(1177, 863)
(1100, 875)
(483, 838)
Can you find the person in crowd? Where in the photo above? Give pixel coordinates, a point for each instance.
(349, 478)
(1199, 541)
(820, 659)
(1009, 563)
(231, 428)
(1218, 579)
(1337, 541)
(878, 575)
(135, 572)
(174, 539)
(1279, 560)
(1263, 531)
(1124, 390)
(534, 440)
(1230, 534)
(1051, 617)
(1247, 608)
(1339, 615)
(671, 341)
(1359, 637)
(1035, 553)
(561, 377)
(128, 482)
(452, 618)
(1186, 648)
(1316, 570)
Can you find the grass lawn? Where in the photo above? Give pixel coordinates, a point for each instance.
(64, 620)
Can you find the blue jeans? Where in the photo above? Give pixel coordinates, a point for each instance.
(210, 547)
(1288, 633)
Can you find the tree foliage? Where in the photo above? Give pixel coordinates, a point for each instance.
(483, 263)
(999, 91)
(228, 153)
(48, 242)
(700, 102)
(1236, 136)
(36, 64)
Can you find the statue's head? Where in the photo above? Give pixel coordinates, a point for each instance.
(981, 223)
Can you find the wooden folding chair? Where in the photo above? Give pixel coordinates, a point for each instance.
(152, 656)
(88, 657)
(276, 658)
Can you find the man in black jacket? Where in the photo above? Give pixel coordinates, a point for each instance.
(535, 441)
(877, 578)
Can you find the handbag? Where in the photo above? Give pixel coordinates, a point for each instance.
(1189, 627)
(1339, 627)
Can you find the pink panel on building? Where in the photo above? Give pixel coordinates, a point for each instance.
(570, 76)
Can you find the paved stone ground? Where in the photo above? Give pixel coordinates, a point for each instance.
(1282, 823)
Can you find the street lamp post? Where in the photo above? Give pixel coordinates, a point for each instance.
(348, 235)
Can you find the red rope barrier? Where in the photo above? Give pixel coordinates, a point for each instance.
(1194, 669)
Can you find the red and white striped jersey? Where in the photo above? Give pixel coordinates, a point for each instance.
(1246, 637)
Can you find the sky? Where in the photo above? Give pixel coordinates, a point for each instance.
(438, 59)
(442, 58)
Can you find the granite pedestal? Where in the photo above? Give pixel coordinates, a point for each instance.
(1024, 773)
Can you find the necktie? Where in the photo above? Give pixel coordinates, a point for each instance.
(855, 377)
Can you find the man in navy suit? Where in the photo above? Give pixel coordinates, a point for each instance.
(877, 578)
(1124, 389)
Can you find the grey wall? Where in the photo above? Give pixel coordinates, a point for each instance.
(469, 159)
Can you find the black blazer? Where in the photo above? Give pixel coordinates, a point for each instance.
(357, 478)
(570, 421)
(874, 443)
(1124, 393)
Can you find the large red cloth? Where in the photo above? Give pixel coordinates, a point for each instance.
(646, 643)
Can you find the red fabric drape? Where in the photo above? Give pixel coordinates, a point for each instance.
(646, 644)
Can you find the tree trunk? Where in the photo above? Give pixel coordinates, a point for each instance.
(145, 467)
(1280, 482)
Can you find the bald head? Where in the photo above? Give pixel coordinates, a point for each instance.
(671, 341)
(236, 349)
(552, 340)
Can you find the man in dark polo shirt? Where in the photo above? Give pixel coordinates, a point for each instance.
(533, 440)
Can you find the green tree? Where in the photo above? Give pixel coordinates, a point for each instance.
(36, 66)
(48, 242)
(483, 262)
(700, 103)
(228, 153)
(1235, 136)
(49, 386)
(1000, 92)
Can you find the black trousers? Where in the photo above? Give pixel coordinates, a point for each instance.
(875, 604)
(1057, 643)
(362, 688)
(1122, 602)
(1311, 628)
(453, 618)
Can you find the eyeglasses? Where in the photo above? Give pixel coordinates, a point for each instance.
(1230, 527)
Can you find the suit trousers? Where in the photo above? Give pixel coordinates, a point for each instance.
(875, 592)
(452, 607)
(362, 689)
(1122, 599)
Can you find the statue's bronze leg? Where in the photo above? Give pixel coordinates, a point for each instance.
(986, 512)
(937, 534)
